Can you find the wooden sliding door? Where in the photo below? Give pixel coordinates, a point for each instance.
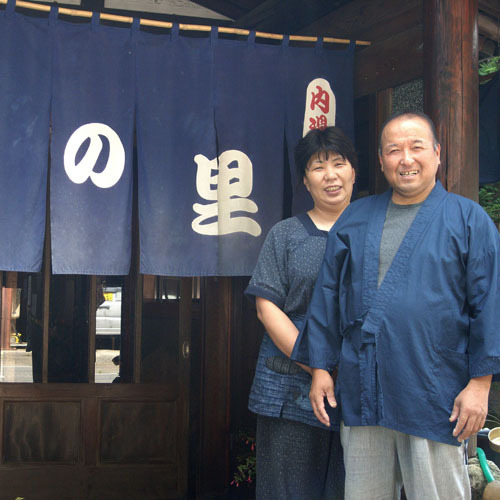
(89, 410)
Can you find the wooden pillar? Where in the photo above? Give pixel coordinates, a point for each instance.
(451, 90)
(6, 318)
(380, 110)
(91, 330)
(213, 464)
(184, 356)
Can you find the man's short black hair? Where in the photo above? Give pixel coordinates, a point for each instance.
(409, 114)
(328, 140)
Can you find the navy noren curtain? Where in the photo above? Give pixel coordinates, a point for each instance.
(211, 116)
(319, 92)
(91, 150)
(25, 70)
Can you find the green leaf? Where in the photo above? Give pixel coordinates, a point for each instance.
(489, 199)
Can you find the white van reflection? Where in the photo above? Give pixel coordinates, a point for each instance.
(109, 313)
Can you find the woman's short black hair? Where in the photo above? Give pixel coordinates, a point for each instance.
(328, 140)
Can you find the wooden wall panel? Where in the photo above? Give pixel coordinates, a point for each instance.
(133, 432)
(138, 482)
(33, 483)
(72, 426)
(42, 432)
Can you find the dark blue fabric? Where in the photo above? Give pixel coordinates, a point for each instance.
(175, 123)
(406, 349)
(209, 117)
(303, 65)
(93, 83)
(24, 137)
(489, 131)
(249, 117)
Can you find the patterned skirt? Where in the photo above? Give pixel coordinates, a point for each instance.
(296, 461)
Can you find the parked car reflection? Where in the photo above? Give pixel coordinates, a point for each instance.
(108, 316)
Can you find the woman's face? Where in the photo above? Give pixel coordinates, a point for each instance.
(329, 180)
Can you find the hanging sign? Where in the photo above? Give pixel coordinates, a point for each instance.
(319, 93)
(320, 106)
(91, 160)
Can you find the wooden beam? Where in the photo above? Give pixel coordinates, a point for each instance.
(487, 46)
(451, 90)
(389, 63)
(11, 280)
(491, 7)
(371, 20)
(228, 9)
(258, 14)
(289, 17)
(487, 26)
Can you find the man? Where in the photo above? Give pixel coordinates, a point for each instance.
(407, 305)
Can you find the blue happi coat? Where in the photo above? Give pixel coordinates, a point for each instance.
(407, 348)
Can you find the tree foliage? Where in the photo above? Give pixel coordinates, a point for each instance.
(489, 199)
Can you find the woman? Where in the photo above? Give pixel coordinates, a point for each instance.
(297, 457)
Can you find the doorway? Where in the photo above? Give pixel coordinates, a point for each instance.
(87, 416)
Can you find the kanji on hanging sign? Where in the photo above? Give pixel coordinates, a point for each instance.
(320, 105)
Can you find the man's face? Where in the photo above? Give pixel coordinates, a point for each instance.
(408, 159)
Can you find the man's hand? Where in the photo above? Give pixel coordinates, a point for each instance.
(322, 386)
(471, 407)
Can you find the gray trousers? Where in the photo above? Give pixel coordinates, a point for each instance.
(379, 461)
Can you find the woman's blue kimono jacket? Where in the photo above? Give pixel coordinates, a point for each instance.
(407, 348)
(285, 274)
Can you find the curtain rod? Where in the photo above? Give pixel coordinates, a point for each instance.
(189, 27)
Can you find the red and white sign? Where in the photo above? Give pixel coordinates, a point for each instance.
(320, 106)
